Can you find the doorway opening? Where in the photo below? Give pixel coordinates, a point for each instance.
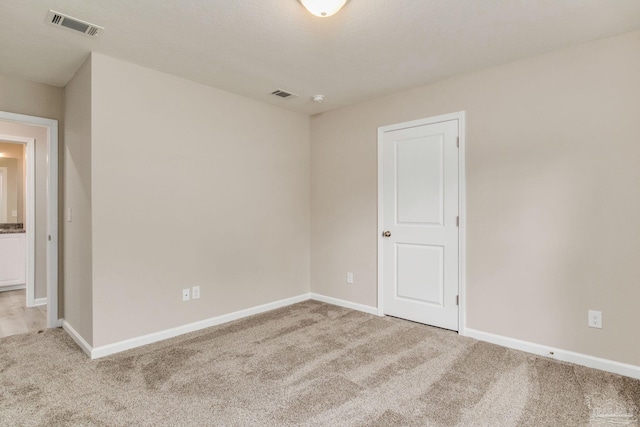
(47, 196)
(17, 213)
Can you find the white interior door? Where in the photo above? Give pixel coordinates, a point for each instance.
(419, 217)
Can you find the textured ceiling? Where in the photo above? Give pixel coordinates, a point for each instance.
(252, 47)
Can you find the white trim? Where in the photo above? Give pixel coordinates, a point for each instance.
(52, 208)
(553, 353)
(117, 347)
(462, 197)
(39, 301)
(11, 288)
(30, 196)
(462, 226)
(30, 220)
(558, 354)
(52, 247)
(109, 349)
(77, 337)
(344, 303)
(381, 132)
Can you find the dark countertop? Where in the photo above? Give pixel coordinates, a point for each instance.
(12, 230)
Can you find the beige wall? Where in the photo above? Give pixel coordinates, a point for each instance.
(553, 173)
(40, 100)
(78, 292)
(39, 133)
(236, 170)
(33, 99)
(11, 149)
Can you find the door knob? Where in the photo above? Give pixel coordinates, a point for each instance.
(387, 234)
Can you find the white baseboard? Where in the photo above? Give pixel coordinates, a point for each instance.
(7, 288)
(343, 303)
(77, 338)
(129, 344)
(516, 344)
(557, 354)
(39, 301)
(117, 347)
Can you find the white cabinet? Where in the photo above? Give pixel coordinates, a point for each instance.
(13, 263)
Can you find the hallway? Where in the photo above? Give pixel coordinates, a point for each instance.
(16, 318)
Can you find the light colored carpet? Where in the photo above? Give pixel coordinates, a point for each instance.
(307, 364)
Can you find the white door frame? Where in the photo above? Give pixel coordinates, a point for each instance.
(30, 187)
(53, 320)
(460, 116)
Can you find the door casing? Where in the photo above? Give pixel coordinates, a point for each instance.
(460, 117)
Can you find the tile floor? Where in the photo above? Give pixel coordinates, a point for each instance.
(16, 318)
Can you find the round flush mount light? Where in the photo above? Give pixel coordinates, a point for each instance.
(318, 98)
(323, 8)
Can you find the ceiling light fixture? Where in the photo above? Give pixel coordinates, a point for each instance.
(323, 8)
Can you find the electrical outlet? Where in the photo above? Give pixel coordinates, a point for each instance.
(195, 292)
(350, 278)
(595, 319)
(186, 294)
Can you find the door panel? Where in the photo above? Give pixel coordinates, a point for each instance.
(419, 186)
(420, 208)
(419, 273)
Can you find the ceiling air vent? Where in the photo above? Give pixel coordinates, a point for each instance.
(61, 20)
(283, 94)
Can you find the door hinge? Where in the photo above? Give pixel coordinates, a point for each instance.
(458, 142)
(49, 237)
(457, 299)
(457, 221)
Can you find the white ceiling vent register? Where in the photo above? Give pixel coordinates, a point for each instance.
(283, 94)
(61, 20)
